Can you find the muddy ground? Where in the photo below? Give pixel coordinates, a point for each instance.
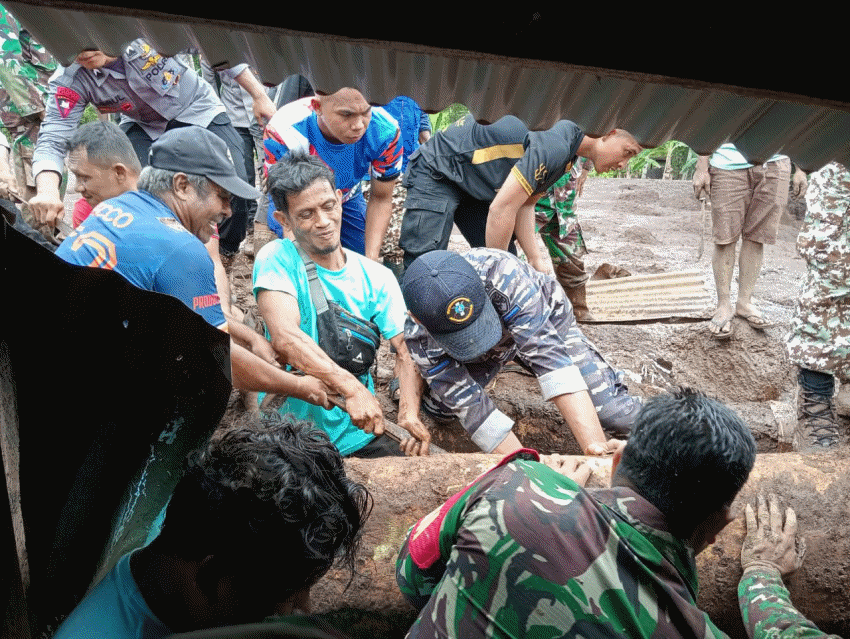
(647, 226)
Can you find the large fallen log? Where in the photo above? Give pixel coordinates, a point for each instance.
(817, 487)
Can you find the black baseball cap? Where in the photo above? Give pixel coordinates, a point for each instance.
(199, 151)
(446, 295)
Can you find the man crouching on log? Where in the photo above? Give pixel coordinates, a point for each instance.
(525, 551)
(472, 314)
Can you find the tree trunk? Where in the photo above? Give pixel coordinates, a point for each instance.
(817, 487)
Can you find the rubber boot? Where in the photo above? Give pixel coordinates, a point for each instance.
(572, 278)
(578, 298)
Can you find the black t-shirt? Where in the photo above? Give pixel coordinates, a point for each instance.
(479, 158)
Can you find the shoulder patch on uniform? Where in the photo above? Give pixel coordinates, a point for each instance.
(66, 100)
(500, 300)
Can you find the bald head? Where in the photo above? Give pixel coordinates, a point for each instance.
(347, 95)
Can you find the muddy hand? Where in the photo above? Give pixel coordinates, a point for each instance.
(365, 411)
(768, 543)
(418, 443)
(576, 469)
(597, 449)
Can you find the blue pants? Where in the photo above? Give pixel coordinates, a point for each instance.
(353, 224)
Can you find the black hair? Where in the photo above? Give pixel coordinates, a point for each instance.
(688, 455)
(294, 173)
(105, 144)
(274, 500)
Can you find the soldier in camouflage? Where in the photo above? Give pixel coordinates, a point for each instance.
(558, 225)
(819, 337)
(25, 67)
(472, 314)
(527, 552)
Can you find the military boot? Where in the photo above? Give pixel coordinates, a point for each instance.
(817, 425)
(572, 278)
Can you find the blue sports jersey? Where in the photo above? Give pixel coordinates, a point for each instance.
(138, 236)
(378, 153)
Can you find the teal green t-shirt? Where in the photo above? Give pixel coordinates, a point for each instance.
(729, 158)
(363, 287)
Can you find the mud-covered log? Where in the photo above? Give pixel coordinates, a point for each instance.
(817, 487)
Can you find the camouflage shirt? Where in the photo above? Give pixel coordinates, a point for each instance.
(525, 552)
(25, 67)
(526, 302)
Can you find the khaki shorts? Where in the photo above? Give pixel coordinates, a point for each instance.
(749, 202)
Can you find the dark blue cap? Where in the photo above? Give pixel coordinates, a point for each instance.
(446, 295)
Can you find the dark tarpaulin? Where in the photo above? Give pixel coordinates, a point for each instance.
(109, 387)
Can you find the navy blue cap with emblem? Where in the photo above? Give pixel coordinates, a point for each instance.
(446, 296)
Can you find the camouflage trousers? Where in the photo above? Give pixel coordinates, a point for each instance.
(558, 225)
(819, 336)
(22, 150)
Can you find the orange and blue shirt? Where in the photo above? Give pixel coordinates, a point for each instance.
(138, 236)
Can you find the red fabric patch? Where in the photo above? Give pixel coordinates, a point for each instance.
(66, 100)
(424, 543)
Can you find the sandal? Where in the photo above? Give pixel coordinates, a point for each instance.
(721, 334)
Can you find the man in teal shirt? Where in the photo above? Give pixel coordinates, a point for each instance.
(308, 206)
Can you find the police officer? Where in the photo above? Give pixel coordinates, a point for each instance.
(152, 93)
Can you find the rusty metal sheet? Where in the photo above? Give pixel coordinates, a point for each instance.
(648, 297)
(812, 129)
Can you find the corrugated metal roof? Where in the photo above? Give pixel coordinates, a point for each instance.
(647, 297)
(654, 108)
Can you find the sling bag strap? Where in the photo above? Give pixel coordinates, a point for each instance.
(317, 293)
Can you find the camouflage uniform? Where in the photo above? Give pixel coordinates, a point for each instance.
(558, 225)
(25, 67)
(525, 552)
(819, 338)
(538, 327)
(766, 608)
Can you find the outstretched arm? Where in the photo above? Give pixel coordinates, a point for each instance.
(771, 550)
(578, 411)
(411, 386)
(526, 235)
(294, 347)
(502, 216)
(250, 373)
(379, 210)
(263, 106)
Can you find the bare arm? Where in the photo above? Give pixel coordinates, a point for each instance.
(578, 411)
(526, 235)
(47, 205)
(702, 180)
(502, 216)
(250, 373)
(7, 180)
(293, 346)
(411, 386)
(379, 210)
(799, 182)
(263, 105)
